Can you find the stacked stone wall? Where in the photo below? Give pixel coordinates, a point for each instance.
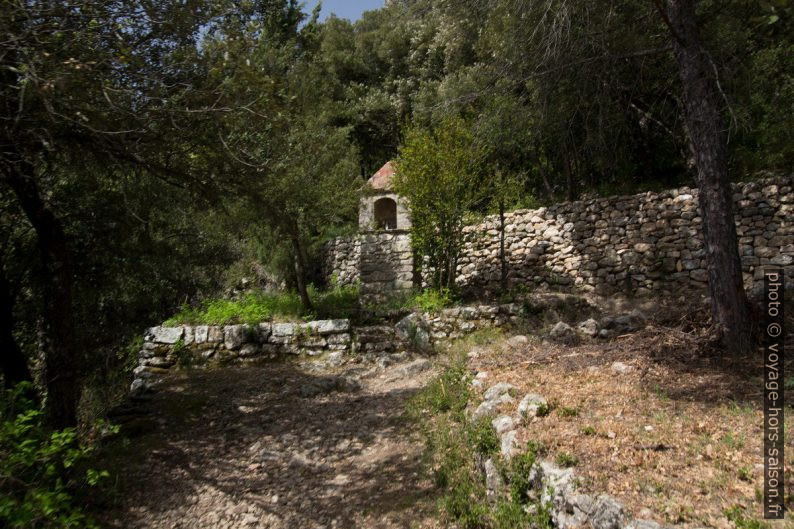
(386, 265)
(341, 260)
(649, 242)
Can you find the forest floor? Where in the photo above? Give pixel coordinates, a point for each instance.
(273, 446)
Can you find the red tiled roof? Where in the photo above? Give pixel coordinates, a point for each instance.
(382, 179)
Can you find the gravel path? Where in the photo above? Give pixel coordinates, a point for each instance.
(274, 447)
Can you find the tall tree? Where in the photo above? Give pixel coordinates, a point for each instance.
(704, 102)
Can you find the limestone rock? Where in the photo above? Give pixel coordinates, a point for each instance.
(508, 446)
(563, 333)
(415, 330)
(328, 326)
(164, 335)
(621, 368)
(493, 479)
(234, 336)
(588, 327)
(502, 424)
(485, 409)
(624, 323)
(607, 513)
(516, 342)
(499, 389)
(531, 404)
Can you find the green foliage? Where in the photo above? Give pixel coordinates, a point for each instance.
(449, 392)
(41, 470)
(568, 412)
(482, 436)
(439, 173)
(339, 302)
(588, 430)
(183, 355)
(564, 459)
(432, 300)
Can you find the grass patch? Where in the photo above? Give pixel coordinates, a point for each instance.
(568, 412)
(588, 430)
(339, 302)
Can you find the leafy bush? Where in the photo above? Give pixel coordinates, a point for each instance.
(40, 469)
(482, 436)
(432, 300)
(564, 459)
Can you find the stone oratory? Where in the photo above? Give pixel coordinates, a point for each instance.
(386, 260)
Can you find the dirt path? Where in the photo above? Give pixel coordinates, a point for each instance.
(274, 447)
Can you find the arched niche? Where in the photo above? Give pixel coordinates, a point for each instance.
(385, 214)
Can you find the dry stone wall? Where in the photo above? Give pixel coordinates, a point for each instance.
(167, 347)
(341, 258)
(649, 242)
(638, 244)
(385, 265)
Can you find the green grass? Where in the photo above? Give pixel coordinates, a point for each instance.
(740, 521)
(567, 412)
(588, 430)
(339, 302)
(428, 300)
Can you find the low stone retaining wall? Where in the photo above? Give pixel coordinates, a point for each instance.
(167, 347)
(333, 341)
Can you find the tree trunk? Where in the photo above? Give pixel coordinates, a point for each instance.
(703, 120)
(61, 363)
(299, 267)
(502, 256)
(12, 362)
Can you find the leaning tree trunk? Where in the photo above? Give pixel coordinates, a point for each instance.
(703, 119)
(61, 362)
(13, 364)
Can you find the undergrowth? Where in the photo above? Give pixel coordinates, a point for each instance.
(454, 444)
(338, 302)
(44, 475)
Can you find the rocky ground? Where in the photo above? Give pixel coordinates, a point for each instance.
(273, 446)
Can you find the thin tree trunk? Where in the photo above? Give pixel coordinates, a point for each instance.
(12, 362)
(502, 256)
(704, 122)
(299, 267)
(61, 362)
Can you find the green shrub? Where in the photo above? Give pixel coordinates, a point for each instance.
(339, 302)
(41, 470)
(564, 459)
(432, 300)
(518, 474)
(482, 436)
